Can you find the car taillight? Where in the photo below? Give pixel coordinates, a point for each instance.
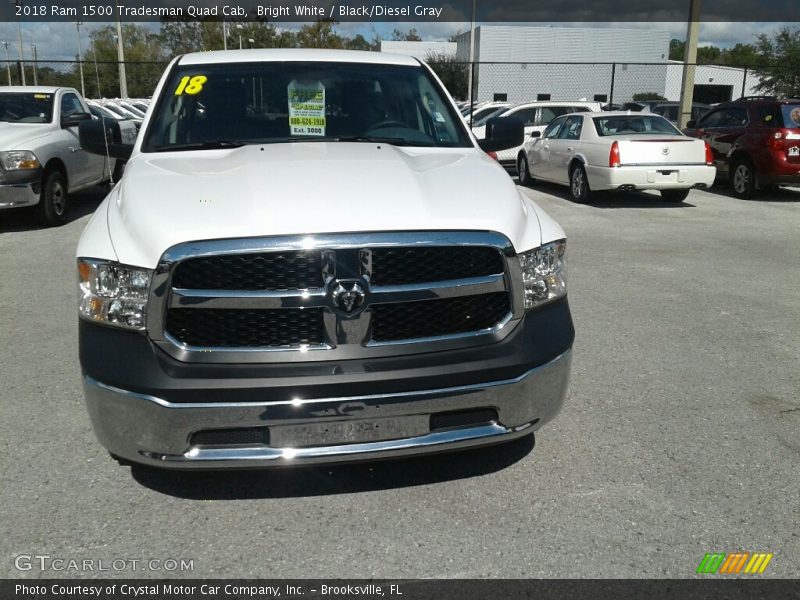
(709, 155)
(613, 156)
(492, 155)
(775, 139)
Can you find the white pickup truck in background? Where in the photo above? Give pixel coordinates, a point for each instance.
(41, 159)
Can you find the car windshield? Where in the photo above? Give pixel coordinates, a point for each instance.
(495, 113)
(486, 111)
(791, 116)
(271, 102)
(27, 107)
(633, 125)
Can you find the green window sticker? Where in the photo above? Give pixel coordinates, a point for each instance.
(306, 108)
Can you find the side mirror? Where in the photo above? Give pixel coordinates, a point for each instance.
(108, 136)
(536, 134)
(75, 119)
(502, 133)
(691, 124)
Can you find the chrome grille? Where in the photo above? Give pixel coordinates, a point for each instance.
(230, 328)
(430, 318)
(262, 271)
(396, 266)
(348, 296)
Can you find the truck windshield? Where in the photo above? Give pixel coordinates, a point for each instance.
(633, 125)
(27, 107)
(203, 106)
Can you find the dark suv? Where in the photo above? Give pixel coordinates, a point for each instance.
(755, 141)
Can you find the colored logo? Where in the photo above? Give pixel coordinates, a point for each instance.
(734, 563)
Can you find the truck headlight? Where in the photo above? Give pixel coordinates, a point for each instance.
(112, 293)
(18, 160)
(544, 273)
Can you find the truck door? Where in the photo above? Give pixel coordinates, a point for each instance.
(82, 168)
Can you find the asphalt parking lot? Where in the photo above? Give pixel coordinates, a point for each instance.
(680, 435)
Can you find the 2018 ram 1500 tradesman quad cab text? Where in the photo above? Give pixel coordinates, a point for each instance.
(310, 259)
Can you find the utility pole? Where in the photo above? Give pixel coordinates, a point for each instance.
(224, 35)
(689, 61)
(35, 60)
(471, 60)
(123, 81)
(239, 27)
(21, 52)
(80, 58)
(8, 62)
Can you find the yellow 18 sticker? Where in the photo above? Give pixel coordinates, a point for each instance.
(191, 84)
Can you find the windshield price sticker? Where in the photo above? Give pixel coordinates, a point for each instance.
(306, 108)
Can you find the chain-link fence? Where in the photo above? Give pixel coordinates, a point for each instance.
(514, 82)
(612, 83)
(100, 79)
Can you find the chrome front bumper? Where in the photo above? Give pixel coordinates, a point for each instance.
(18, 195)
(149, 430)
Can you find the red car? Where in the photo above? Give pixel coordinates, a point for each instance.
(755, 142)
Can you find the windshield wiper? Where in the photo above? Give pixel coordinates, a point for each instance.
(205, 145)
(395, 141)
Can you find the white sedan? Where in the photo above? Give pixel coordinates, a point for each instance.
(617, 151)
(535, 116)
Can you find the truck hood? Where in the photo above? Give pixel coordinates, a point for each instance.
(21, 136)
(308, 188)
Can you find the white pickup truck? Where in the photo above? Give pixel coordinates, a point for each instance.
(310, 259)
(41, 159)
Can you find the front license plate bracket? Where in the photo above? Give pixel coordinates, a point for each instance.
(354, 431)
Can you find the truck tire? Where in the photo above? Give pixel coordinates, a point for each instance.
(579, 185)
(53, 202)
(743, 179)
(122, 462)
(674, 195)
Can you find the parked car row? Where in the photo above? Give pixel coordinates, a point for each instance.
(753, 142)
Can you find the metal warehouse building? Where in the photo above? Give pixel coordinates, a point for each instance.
(503, 52)
(420, 50)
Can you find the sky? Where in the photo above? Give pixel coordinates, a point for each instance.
(59, 41)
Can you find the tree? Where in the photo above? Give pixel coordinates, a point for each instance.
(144, 61)
(778, 65)
(677, 48)
(708, 55)
(319, 35)
(740, 55)
(357, 43)
(408, 36)
(454, 74)
(647, 96)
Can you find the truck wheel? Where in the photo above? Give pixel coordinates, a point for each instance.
(743, 179)
(523, 173)
(53, 198)
(579, 185)
(122, 462)
(674, 195)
